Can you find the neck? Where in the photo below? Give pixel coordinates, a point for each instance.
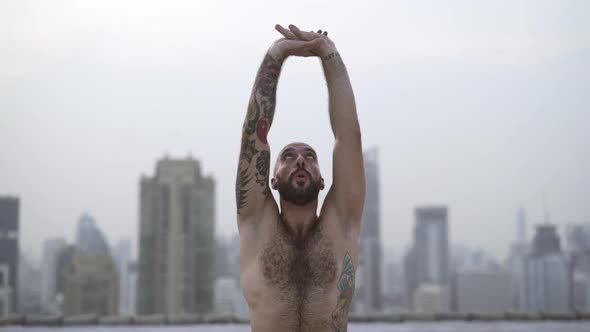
(299, 219)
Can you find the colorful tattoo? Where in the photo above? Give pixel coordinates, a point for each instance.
(258, 121)
(346, 287)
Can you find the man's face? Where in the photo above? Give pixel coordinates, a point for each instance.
(297, 174)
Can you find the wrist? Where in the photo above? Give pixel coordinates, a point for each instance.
(328, 54)
(276, 53)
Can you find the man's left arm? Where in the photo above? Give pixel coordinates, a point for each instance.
(348, 187)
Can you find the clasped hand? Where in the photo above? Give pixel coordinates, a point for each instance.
(301, 43)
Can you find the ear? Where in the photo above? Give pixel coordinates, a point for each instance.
(274, 183)
(322, 182)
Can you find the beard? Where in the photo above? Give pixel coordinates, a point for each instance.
(297, 195)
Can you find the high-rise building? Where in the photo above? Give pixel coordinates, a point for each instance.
(225, 295)
(133, 286)
(519, 251)
(50, 274)
(5, 290)
(369, 294)
(89, 238)
(91, 285)
(9, 250)
(548, 278)
(411, 277)
(64, 260)
(546, 241)
(393, 285)
(431, 245)
(87, 274)
(581, 292)
(122, 255)
(578, 251)
(176, 240)
(517, 270)
(29, 283)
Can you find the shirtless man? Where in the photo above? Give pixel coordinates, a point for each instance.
(298, 268)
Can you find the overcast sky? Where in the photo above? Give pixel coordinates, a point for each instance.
(483, 107)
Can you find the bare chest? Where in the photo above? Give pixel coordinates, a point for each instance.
(298, 268)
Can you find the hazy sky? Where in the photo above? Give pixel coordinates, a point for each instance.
(484, 107)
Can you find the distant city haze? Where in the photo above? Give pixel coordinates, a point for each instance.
(480, 107)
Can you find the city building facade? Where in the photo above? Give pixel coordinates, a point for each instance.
(176, 240)
(430, 253)
(9, 248)
(50, 275)
(122, 256)
(548, 277)
(368, 295)
(91, 285)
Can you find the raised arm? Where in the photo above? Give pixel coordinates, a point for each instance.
(348, 187)
(252, 188)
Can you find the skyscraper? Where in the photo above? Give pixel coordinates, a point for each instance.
(122, 255)
(50, 274)
(517, 263)
(89, 238)
(547, 275)
(87, 273)
(546, 241)
(9, 251)
(29, 286)
(431, 250)
(369, 296)
(176, 240)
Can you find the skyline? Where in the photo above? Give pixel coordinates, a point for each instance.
(480, 107)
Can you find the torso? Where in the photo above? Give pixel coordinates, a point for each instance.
(292, 283)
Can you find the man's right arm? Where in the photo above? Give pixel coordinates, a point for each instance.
(252, 188)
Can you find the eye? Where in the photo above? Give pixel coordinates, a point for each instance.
(288, 156)
(310, 156)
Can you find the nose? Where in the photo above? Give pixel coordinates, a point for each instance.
(300, 161)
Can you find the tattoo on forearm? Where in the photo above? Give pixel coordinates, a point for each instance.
(346, 287)
(258, 121)
(331, 56)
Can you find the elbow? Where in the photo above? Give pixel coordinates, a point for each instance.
(349, 134)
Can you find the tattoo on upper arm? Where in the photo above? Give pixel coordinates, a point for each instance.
(258, 120)
(346, 287)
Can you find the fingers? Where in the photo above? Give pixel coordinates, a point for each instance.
(285, 32)
(295, 33)
(303, 35)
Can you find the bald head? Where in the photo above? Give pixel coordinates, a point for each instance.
(297, 174)
(294, 148)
